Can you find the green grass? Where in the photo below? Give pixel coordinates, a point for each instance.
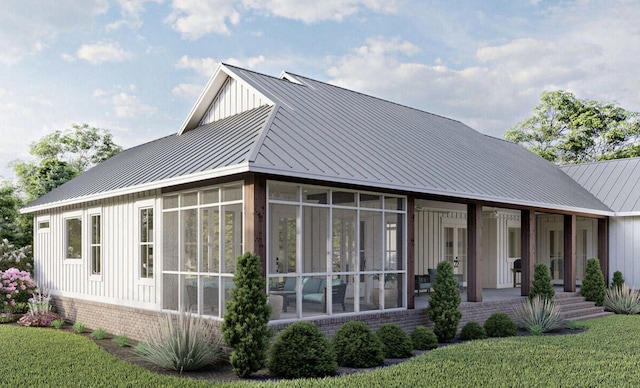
(605, 355)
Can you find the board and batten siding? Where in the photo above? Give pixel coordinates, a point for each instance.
(119, 281)
(624, 243)
(234, 97)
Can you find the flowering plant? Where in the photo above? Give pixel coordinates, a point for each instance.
(12, 257)
(15, 286)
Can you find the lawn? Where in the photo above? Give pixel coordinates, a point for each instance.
(605, 355)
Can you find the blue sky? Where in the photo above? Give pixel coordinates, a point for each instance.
(137, 67)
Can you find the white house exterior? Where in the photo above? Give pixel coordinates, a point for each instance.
(343, 196)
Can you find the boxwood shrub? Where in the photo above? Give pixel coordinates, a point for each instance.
(423, 338)
(472, 331)
(499, 324)
(357, 346)
(395, 342)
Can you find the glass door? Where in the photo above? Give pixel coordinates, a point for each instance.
(556, 255)
(455, 248)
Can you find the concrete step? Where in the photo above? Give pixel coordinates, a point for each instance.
(578, 313)
(581, 304)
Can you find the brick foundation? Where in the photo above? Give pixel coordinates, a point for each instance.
(134, 322)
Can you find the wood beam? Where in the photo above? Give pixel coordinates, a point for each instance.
(255, 217)
(411, 251)
(528, 249)
(570, 253)
(474, 252)
(603, 248)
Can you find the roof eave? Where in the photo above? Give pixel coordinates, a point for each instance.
(199, 176)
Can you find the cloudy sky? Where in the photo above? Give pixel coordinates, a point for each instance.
(136, 67)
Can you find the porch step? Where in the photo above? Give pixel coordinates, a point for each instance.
(574, 307)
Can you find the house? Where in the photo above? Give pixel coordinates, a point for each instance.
(344, 196)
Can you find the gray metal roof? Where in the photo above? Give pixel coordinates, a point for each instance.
(615, 182)
(320, 131)
(218, 145)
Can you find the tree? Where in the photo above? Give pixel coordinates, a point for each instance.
(62, 155)
(245, 326)
(593, 288)
(542, 285)
(14, 227)
(443, 305)
(564, 129)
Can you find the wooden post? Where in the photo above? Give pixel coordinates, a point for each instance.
(603, 247)
(255, 222)
(570, 253)
(474, 252)
(411, 269)
(528, 249)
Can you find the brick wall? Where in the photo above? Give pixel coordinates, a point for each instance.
(134, 322)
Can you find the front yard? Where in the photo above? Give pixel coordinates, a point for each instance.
(605, 355)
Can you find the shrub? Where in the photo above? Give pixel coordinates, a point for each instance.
(38, 319)
(182, 343)
(539, 312)
(500, 325)
(245, 327)
(301, 350)
(593, 288)
(472, 331)
(58, 323)
(21, 308)
(122, 340)
(12, 257)
(357, 346)
(622, 300)
(99, 333)
(618, 280)
(395, 342)
(15, 287)
(443, 305)
(423, 338)
(542, 285)
(7, 317)
(79, 327)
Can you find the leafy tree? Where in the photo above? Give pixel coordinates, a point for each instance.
(565, 129)
(14, 227)
(245, 327)
(618, 280)
(443, 305)
(61, 156)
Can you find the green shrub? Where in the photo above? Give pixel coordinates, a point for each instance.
(78, 327)
(500, 325)
(395, 342)
(472, 331)
(622, 300)
(593, 287)
(423, 338)
(539, 312)
(99, 333)
(245, 327)
(536, 330)
(357, 346)
(21, 308)
(58, 323)
(443, 305)
(542, 285)
(301, 350)
(182, 343)
(122, 340)
(618, 280)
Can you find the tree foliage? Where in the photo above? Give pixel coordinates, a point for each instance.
(542, 285)
(593, 288)
(61, 156)
(564, 129)
(443, 305)
(14, 227)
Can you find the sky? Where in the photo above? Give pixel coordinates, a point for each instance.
(137, 67)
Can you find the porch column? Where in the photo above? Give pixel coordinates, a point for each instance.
(603, 247)
(528, 249)
(411, 252)
(570, 253)
(255, 217)
(474, 252)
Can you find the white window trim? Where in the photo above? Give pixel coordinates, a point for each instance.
(90, 213)
(40, 220)
(139, 205)
(79, 214)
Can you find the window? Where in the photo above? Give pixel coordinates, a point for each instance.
(73, 238)
(514, 242)
(146, 243)
(43, 225)
(96, 244)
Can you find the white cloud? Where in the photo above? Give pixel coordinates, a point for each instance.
(315, 11)
(128, 106)
(29, 26)
(202, 66)
(196, 18)
(102, 52)
(187, 91)
(131, 11)
(249, 63)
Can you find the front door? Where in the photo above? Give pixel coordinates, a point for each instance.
(556, 255)
(455, 248)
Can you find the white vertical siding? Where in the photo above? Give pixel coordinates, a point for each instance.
(234, 97)
(624, 243)
(118, 281)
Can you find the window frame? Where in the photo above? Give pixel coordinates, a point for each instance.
(139, 207)
(91, 244)
(76, 215)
